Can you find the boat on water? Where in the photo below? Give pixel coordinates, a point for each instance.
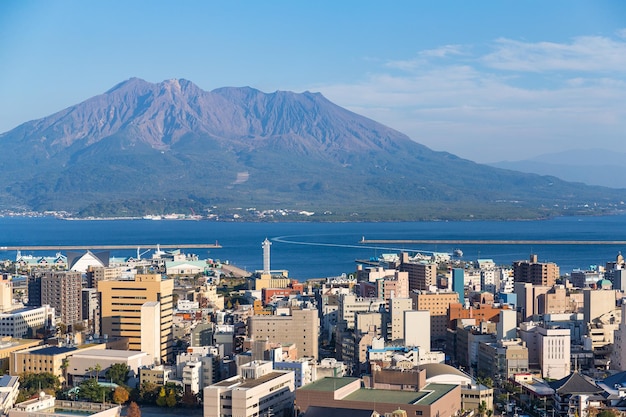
(458, 253)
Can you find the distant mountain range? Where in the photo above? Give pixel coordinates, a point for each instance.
(144, 148)
(602, 167)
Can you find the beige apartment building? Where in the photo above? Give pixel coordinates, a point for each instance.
(96, 274)
(60, 290)
(422, 274)
(301, 328)
(438, 304)
(537, 273)
(124, 301)
(271, 394)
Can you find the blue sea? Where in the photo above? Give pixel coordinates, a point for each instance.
(318, 250)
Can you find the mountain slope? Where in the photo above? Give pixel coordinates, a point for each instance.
(602, 167)
(140, 144)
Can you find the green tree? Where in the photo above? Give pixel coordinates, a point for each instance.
(161, 400)
(97, 370)
(178, 390)
(64, 364)
(482, 408)
(92, 391)
(608, 412)
(32, 383)
(148, 392)
(171, 398)
(118, 373)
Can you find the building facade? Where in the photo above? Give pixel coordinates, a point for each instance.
(301, 328)
(122, 303)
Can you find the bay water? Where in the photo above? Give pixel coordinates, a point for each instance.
(318, 250)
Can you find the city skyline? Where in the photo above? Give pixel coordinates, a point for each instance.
(487, 82)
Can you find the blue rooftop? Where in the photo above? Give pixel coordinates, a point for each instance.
(54, 350)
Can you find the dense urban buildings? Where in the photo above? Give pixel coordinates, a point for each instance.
(414, 334)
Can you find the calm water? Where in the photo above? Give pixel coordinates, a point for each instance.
(311, 250)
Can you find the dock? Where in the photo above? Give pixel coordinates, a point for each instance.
(111, 247)
(490, 242)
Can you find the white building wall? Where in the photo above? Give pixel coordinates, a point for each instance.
(417, 329)
(398, 306)
(150, 329)
(554, 352)
(507, 326)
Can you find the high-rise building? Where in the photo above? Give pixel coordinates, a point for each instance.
(417, 329)
(301, 328)
(438, 304)
(537, 273)
(458, 283)
(397, 307)
(96, 274)
(422, 274)
(60, 290)
(554, 352)
(6, 293)
(122, 306)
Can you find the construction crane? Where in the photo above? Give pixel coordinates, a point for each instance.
(140, 254)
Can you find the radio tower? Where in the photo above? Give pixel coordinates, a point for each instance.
(266, 256)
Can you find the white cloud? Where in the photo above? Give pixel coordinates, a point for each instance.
(585, 53)
(422, 59)
(474, 106)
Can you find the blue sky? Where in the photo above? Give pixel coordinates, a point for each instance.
(485, 80)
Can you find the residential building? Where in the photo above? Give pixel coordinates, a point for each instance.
(27, 322)
(536, 273)
(586, 279)
(259, 392)
(437, 303)
(503, 359)
(9, 390)
(157, 374)
(61, 290)
(300, 327)
(422, 273)
(396, 326)
(618, 359)
(6, 293)
(96, 274)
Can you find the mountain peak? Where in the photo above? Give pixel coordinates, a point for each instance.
(144, 143)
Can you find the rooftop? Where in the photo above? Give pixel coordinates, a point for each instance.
(251, 383)
(329, 384)
(426, 396)
(53, 350)
(109, 353)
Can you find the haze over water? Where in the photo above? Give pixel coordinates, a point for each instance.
(314, 250)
